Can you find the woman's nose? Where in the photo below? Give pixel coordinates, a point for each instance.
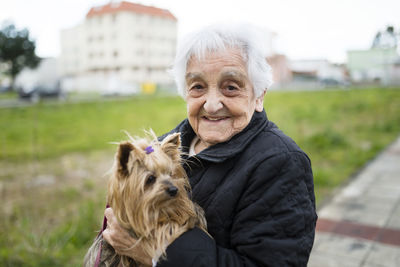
(213, 103)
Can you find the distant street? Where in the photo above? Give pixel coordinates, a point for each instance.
(13, 103)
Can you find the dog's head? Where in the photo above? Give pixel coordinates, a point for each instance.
(148, 184)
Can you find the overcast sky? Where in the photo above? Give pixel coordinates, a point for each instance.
(307, 29)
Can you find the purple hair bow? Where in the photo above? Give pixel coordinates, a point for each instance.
(149, 149)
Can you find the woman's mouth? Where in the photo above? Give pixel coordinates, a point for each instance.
(214, 119)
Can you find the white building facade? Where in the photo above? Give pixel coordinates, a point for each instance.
(119, 46)
(381, 63)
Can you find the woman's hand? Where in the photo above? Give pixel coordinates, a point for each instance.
(122, 242)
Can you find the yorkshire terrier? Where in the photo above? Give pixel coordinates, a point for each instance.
(149, 193)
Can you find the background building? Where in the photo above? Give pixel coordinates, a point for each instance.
(307, 74)
(281, 73)
(376, 65)
(381, 63)
(118, 48)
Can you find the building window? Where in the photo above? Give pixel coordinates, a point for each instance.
(115, 54)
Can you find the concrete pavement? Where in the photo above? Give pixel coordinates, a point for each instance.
(360, 226)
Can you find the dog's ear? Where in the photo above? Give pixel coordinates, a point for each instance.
(124, 155)
(171, 145)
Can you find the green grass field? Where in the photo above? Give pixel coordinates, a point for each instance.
(53, 225)
(45, 131)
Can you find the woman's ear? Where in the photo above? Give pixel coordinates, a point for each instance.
(260, 102)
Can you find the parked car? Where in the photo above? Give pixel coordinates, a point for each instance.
(5, 88)
(41, 82)
(116, 87)
(37, 92)
(331, 82)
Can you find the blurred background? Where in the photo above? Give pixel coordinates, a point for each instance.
(73, 74)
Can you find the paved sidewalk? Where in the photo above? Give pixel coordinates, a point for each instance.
(360, 226)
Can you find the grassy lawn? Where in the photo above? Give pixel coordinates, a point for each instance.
(45, 131)
(339, 130)
(51, 221)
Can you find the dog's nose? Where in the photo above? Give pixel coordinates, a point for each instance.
(172, 191)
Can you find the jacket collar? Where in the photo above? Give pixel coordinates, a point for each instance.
(222, 151)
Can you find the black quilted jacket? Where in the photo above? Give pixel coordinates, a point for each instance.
(258, 195)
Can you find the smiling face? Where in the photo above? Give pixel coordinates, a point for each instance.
(220, 98)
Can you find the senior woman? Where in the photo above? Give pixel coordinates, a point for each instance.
(253, 182)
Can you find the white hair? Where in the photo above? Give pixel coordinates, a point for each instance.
(248, 39)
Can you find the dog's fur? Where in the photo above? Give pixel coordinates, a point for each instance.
(149, 195)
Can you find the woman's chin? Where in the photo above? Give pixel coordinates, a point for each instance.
(215, 137)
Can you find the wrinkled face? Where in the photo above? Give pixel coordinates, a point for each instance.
(220, 98)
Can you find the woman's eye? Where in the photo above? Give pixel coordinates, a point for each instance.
(231, 90)
(197, 87)
(150, 180)
(231, 87)
(196, 90)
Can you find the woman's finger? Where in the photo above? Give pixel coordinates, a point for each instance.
(109, 214)
(107, 237)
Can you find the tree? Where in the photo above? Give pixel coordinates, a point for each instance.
(386, 39)
(16, 50)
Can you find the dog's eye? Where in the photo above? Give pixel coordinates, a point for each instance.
(150, 180)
